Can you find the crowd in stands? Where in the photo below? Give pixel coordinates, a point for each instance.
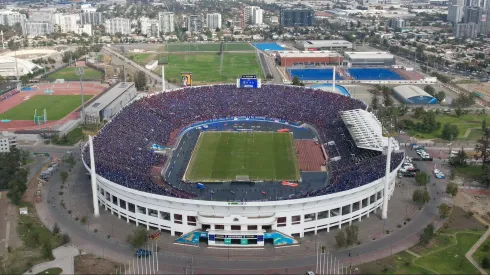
(8, 94)
(123, 147)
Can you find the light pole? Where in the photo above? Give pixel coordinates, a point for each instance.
(79, 72)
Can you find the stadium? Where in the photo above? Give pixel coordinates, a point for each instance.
(233, 166)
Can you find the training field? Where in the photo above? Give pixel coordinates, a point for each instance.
(207, 47)
(205, 67)
(242, 156)
(69, 74)
(57, 107)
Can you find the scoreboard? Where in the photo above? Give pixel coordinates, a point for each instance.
(248, 81)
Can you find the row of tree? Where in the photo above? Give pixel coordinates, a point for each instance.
(12, 176)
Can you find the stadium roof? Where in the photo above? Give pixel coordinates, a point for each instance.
(107, 98)
(368, 55)
(307, 53)
(7, 66)
(326, 43)
(365, 129)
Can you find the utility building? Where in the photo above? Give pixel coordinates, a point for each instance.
(411, 94)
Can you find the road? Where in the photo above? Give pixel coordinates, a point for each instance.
(203, 262)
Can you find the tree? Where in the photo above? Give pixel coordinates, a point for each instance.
(374, 102)
(485, 262)
(56, 229)
(421, 178)
(340, 239)
(428, 122)
(47, 250)
(351, 232)
(449, 132)
(430, 90)
(420, 196)
(64, 176)
(65, 238)
(444, 210)
(140, 81)
(459, 160)
(458, 112)
(138, 238)
(452, 189)
(483, 144)
(296, 81)
(387, 99)
(427, 234)
(440, 96)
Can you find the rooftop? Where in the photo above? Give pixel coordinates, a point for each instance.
(368, 55)
(108, 97)
(320, 43)
(307, 53)
(408, 91)
(365, 129)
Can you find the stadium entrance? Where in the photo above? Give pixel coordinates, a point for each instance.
(233, 238)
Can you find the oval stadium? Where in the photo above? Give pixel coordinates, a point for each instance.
(241, 166)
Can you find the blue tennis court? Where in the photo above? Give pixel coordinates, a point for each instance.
(373, 74)
(268, 46)
(313, 74)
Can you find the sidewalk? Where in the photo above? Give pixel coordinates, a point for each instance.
(469, 254)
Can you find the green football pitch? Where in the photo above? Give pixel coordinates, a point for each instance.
(243, 156)
(205, 67)
(207, 47)
(57, 107)
(70, 74)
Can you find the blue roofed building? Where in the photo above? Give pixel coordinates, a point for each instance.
(410, 94)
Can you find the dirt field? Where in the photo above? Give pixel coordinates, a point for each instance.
(89, 264)
(483, 88)
(460, 220)
(478, 201)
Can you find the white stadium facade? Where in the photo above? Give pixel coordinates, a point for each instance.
(11, 66)
(293, 217)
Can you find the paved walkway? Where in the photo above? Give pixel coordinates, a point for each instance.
(64, 259)
(469, 254)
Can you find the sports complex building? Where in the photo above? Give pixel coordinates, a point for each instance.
(323, 45)
(242, 166)
(308, 58)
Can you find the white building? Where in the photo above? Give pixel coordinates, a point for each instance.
(93, 18)
(150, 27)
(11, 66)
(455, 14)
(70, 23)
(86, 28)
(466, 30)
(36, 28)
(194, 23)
(7, 142)
(213, 20)
(320, 45)
(10, 18)
(257, 17)
(118, 25)
(167, 24)
(369, 59)
(41, 16)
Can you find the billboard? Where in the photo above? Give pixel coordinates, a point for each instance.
(248, 81)
(186, 78)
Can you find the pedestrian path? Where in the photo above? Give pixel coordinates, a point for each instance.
(413, 253)
(469, 254)
(64, 259)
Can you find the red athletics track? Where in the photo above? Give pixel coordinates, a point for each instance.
(70, 88)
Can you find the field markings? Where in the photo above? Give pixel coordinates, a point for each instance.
(190, 167)
(295, 157)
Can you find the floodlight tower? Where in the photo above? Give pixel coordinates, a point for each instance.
(79, 72)
(389, 133)
(93, 177)
(163, 78)
(333, 78)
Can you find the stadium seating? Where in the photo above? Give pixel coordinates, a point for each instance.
(123, 147)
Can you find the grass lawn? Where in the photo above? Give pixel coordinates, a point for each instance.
(483, 250)
(206, 47)
(205, 68)
(57, 107)
(33, 234)
(451, 260)
(463, 123)
(51, 271)
(400, 263)
(71, 138)
(227, 156)
(470, 171)
(69, 74)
